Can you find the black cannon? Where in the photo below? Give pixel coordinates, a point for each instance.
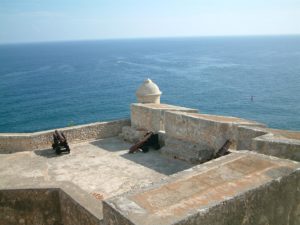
(149, 140)
(224, 150)
(60, 144)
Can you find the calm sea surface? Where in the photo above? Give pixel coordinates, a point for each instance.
(51, 85)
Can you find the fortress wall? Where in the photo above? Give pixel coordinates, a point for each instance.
(197, 137)
(246, 134)
(16, 142)
(189, 127)
(278, 146)
(78, 211)
(210, 130)
(29, 206)
(151, 117)
(49, 204)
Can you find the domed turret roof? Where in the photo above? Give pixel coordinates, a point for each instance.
(148, 88)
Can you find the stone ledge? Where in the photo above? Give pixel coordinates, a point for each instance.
(279, 143)
(278, 146)
(241, 188)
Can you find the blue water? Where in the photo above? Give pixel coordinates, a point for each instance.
(51, 85)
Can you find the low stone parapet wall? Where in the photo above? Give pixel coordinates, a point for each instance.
(16, 142)
(279, 146)
(279, 143)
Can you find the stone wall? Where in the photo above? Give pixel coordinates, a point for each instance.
(279, 143)
(242, 188)
(16, 142)
(30, 206)
(73, 213)
(245, 135)
(209, 130)
(281, 147)
(151, 117)
(197, 137)
(44, 206)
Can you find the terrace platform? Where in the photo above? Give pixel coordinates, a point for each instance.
(100, 183)
(92, 172)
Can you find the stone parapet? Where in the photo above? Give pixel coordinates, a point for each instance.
(192, 152)
(132, 135)
(48, 204)
(16, 142)
(241, 188)
(277, 145)
(209, 130)
(245, 135)
(151, 116)
(196, 137)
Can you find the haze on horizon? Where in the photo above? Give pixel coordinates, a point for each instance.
(59, 20)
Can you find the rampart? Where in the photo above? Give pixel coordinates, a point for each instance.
(195, 137)
(257, 183)
(17, 142)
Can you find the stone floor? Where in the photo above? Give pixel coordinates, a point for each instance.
(102, 168)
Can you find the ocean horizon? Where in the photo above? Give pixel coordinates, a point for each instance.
(50, 85)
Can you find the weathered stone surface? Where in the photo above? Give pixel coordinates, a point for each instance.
(148, 92)
(102, 166)
(189, 151)
(73, 212)
(246, 134)
(93, 171)
(209, 130)
(47, 206)
(16, 142)
(242, 188)
(189, 133)
(195, 137)
(31, 206)
(151, 116)
(277, 203)
(277, 145)
(131, 134)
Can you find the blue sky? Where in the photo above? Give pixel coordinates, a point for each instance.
(54, 20)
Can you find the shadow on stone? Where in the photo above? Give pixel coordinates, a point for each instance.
(112, 145)
(158, 162)
(48, 153)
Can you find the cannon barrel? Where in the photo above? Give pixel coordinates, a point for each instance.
(136, 146)
(60, 136)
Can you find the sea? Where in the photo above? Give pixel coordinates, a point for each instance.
(58, 84)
